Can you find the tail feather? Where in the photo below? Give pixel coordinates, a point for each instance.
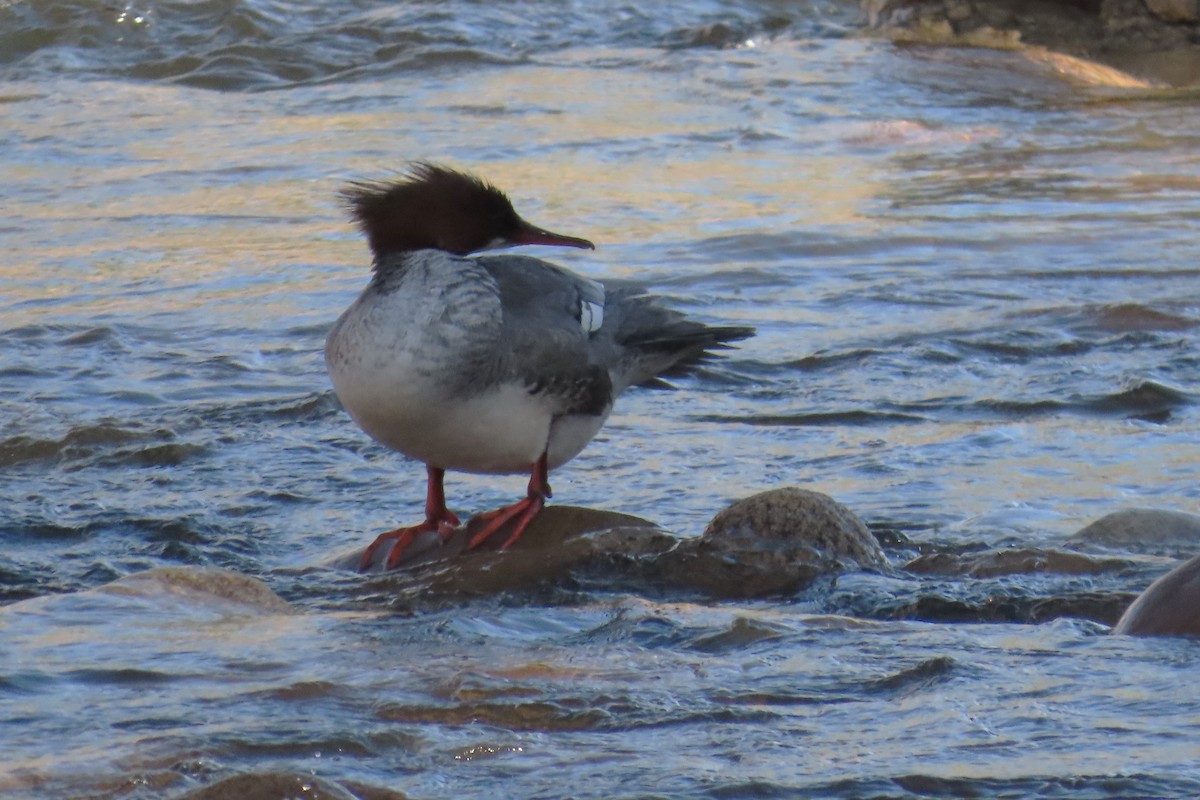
(662, 343)
(694, 347)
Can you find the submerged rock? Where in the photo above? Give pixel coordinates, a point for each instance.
(1152, 40)
(199, 588)
(1154, 531)
(1021, 561)
(274, 785)
(775, 542)
(988, 605)
(1142, 535)
(1059, 584)
(1169, 607)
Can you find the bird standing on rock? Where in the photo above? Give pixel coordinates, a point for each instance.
(488, 364)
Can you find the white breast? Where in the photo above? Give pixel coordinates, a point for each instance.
(403, 361)
(570, 434)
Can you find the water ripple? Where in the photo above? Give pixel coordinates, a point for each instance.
(255, 44)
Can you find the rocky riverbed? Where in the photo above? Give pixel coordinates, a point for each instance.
(785, 541)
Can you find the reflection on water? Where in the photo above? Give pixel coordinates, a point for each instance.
(974, 290)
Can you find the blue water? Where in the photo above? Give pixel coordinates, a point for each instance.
(974, 286)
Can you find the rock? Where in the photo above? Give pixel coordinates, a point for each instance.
(714, 34)
(273, 786)
(1103, 607)
(1024, 561)
(794, 518)
(1154, 41)
(1169, 607)
(561, 544)
(551, 530)
(1151, 531)
(207, 588)
(1175, 10)
(775, 542)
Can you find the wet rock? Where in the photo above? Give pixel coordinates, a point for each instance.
(773, 543)
(1135, 318)
(716, 34)
(796, 518)
(742, 633)
(1169, 607)
(555, 528)
(561, 543)
(1152, 531)
(1175, 11)
(1154, 40)
(195, 588)
(776, 542)
(979, 587)
(724, 34)
(1102, 607)
(273, 786)
(992, 606)
(1012, 562)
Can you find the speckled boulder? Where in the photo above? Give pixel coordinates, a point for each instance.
(1169, 607)
(772, 543)
(797, 519)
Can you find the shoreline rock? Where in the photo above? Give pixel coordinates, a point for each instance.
(1154, 41)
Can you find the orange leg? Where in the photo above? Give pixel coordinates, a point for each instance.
(523, 511)
(437, 518)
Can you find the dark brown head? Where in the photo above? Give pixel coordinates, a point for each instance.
(433, 207)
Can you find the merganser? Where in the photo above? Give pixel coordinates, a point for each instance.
(488, 364)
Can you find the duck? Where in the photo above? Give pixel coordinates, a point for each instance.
(471, 361)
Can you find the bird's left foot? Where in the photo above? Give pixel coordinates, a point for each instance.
(523, 511)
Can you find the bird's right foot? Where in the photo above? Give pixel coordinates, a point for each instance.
(402, 538)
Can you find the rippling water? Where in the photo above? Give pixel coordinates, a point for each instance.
(974, 285)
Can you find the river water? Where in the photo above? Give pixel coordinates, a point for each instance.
(974, 283)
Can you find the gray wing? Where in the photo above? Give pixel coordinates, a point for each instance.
(551, 318)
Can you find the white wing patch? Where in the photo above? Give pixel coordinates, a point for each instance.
(591, 314)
